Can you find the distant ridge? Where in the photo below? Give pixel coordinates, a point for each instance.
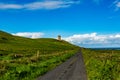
(114, 48)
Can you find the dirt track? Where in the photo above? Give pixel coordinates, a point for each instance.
(72, 69)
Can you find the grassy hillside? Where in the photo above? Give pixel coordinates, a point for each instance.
(102, 64)
(26, 59)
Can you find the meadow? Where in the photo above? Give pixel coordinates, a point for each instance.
(26, 59)
(102, 64)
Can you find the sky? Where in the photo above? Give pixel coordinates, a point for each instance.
(87, 23)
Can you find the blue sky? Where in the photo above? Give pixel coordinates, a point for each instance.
(49, 18)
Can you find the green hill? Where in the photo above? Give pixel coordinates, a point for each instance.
(26, 59)
(4, 37)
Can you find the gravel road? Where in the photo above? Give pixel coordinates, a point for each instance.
(72, 69)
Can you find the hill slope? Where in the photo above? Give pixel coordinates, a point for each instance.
(25, 58)
(5, 36)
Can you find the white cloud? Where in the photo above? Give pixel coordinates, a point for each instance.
(95, 40)
(29, 34)
(116, 4)
(10, 6)
(39, 5)
(49, 5)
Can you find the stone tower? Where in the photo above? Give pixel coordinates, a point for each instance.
(59, 37)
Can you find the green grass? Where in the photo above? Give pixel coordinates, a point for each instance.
(102, 64)
(26, 59)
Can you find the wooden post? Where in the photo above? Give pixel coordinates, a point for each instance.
(38, 53)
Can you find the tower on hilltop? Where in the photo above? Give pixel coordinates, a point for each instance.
(59, 37)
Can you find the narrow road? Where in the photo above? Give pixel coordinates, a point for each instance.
(72, 69)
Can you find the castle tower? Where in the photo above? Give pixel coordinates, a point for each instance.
(59, 37)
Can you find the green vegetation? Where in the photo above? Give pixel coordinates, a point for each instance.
(26, 59)
(102, 64)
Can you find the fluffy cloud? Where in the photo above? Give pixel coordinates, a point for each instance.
(29, 34)
(95, 40)
(52, 4)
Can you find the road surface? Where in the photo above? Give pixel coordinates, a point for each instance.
(72, 69)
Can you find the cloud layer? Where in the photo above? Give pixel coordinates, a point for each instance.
(52, 4)
(95, 40)
(29, 34)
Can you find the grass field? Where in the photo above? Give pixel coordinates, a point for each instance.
(26, 59)
(102, 64)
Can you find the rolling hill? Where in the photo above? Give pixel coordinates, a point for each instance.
(26, 59)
